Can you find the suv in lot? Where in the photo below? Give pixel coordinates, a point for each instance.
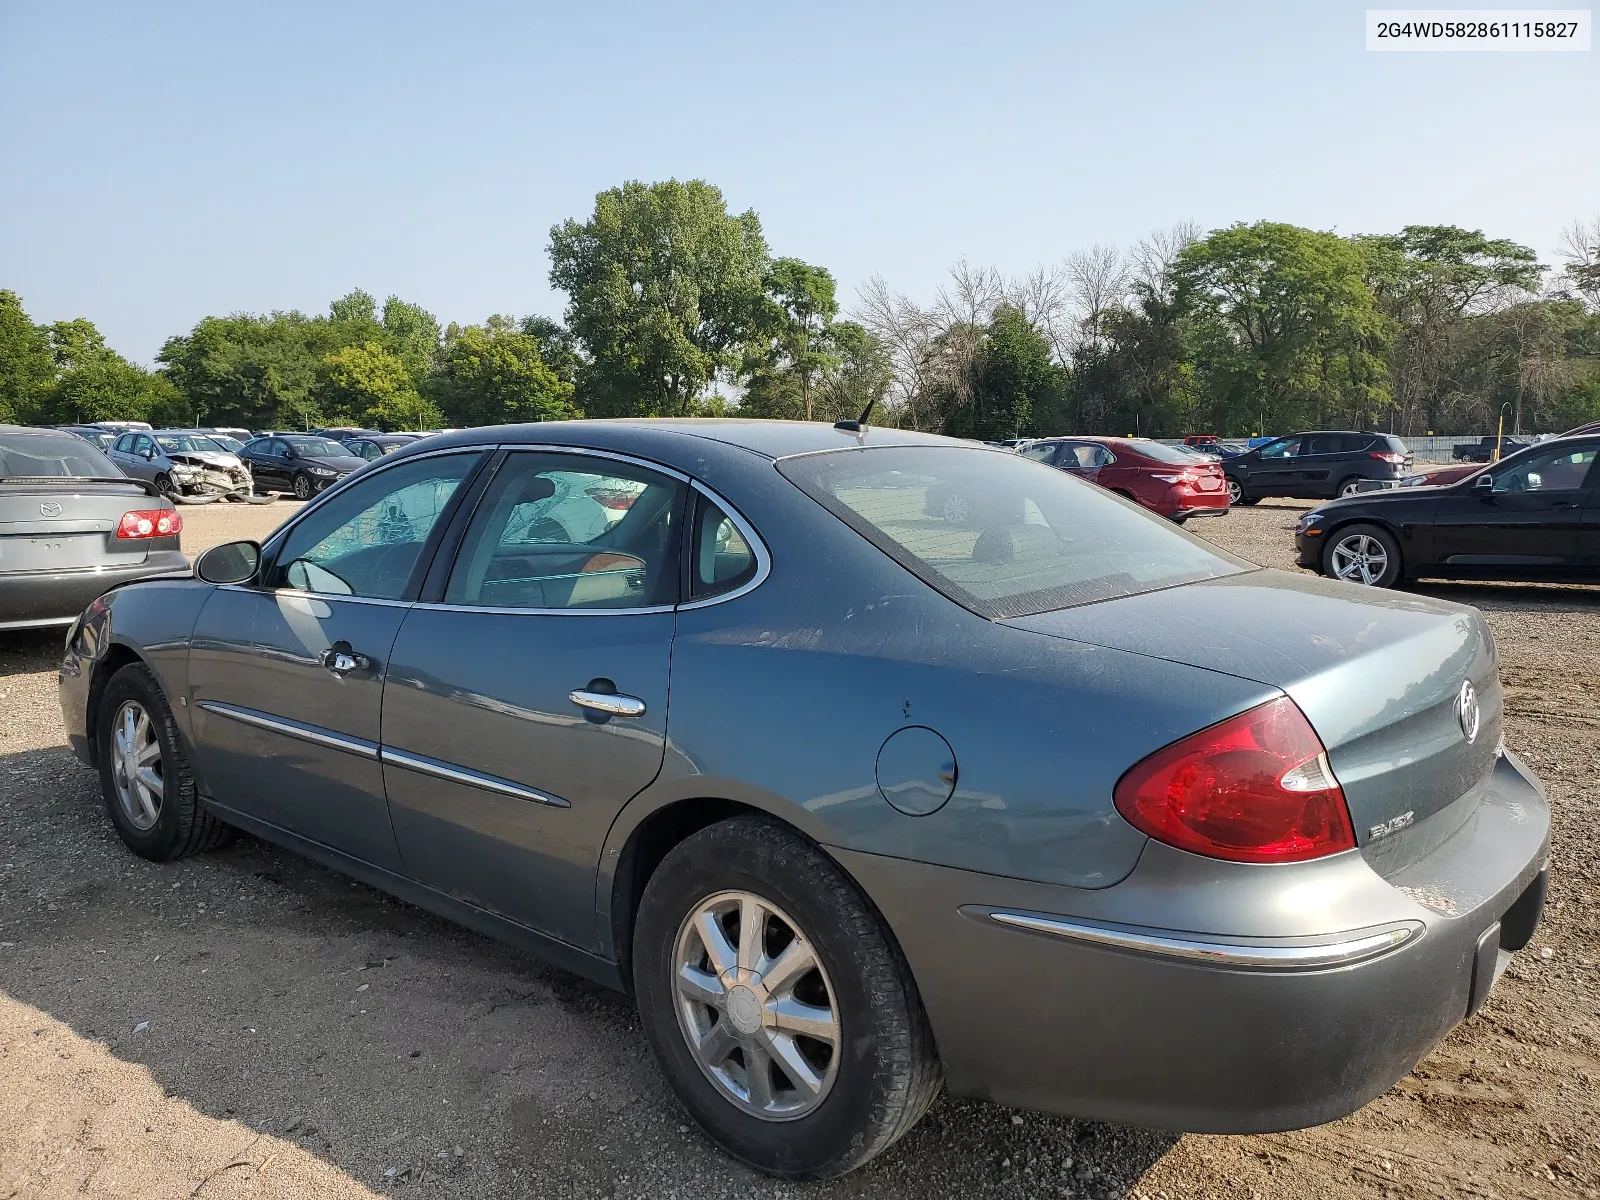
(1316, 466)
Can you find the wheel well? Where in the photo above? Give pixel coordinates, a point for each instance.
(115, 659)
(655, 837)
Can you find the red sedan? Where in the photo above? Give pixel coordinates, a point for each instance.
(1173, 483)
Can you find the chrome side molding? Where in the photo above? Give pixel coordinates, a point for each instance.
(1335, 953)
(314, 734)
(443, 770)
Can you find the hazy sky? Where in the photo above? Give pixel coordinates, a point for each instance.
(161, 162)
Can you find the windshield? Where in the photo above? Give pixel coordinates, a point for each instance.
(188, 443)
(53, 454)
(998, 534)
(315, 447)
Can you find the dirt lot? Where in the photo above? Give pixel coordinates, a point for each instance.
(247, 1024)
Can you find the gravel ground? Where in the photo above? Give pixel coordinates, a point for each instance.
(248, 1024)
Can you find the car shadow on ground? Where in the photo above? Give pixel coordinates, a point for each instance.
(260, 989)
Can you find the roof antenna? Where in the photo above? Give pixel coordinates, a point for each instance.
(860, 422)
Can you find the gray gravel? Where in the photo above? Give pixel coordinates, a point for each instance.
(246, 1023)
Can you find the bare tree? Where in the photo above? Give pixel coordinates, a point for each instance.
(1044, 297)
(1152, 257)
(905, 331)
(1098, 279)
(1580, 247)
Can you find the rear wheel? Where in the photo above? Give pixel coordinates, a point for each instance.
(955, 510)
(302, 486)
(778, 1007)
(1236, 493)
(1351, 486)
(145, 778)
(1363, 554)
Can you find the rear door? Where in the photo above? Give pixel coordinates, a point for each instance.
(1322, 463)
(287, 675)
(527, 702)
(1589, 526)
(1526, 523)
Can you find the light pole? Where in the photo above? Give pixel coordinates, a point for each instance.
(1500, 436)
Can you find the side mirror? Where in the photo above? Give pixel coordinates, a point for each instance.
(231, 562)
(149, 455)
(1483, 483)
(288, 452)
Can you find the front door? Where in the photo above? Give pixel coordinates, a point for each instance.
(286, 676)
(1527, 521)
(527, 702)
(1276, 470)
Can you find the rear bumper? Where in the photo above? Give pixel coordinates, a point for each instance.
(40, 599)
(1183, 514)
(1197, 996)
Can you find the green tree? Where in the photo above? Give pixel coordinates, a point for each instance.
(493, 374)
(1014, 379)
(665, 291)
(26, 364)
(1296, 335)
(371, 384)
(412, 334)
(557, 346)
(795, 345)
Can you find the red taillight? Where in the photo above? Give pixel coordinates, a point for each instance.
(1396, 459)
(149, 523)
(1255, 788)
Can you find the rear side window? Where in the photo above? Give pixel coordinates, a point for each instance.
(1331, 443)
(53, 454)
(998, 534)
(723, 557)
(567, 531)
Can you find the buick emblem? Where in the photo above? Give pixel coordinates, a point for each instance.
(49, 509)
(1467, 711)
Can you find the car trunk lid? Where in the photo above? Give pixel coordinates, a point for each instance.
(67, 524)
(1379, 675)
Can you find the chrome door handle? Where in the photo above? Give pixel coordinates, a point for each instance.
(608, 702)
(342, 661)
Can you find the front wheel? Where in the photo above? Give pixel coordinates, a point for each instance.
(164, 485)
(1363, 554)
(780, 1010)
(302, 486)
(149, 789)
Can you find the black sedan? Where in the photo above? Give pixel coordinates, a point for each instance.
(1534, 516)
(298, 463)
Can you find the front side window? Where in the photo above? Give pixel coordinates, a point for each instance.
(366, 540)
(998, 534)
(1561, 470)
(565, 531)
(1283, 448)
(1041, 453)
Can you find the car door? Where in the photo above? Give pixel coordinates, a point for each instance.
(135, 460)
(1589, 526)
(1320, 464)
(527, 703)
(1275, 470)
(1525, 521)
(121, 453)
(286, 675)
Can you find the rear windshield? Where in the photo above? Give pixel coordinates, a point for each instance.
(52, 454)
(1159, 452)
(998, 534)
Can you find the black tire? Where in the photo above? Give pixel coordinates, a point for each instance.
(887, 1067)
(302, 486)
(1348, 535)
(163, 484)
(1347, 486)
(182, 826)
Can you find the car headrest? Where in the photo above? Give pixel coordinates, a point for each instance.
(536, 489)
(995, 544)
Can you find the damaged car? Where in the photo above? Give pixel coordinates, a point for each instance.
(186, 467)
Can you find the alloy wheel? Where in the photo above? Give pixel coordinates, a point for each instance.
(955, 510)
(756, 1006)
(1359, 558)
(136, 769)
(1235, 492)
(302, 487)
(1351, 488)
(163, 484)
